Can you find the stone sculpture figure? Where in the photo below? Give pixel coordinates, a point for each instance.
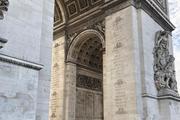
(3, 7)
(164, 73)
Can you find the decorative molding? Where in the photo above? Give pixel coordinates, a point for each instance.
(93, 2)
(162, 4)
(153, 9)
(70, 37)
(99, 26)
(83, 4)
(164, 97)
(57, 14)
(77, 7)
(90, 54)
(72, 9)
(16, 61)
(3, 7)
(164, 73)
(88, 83)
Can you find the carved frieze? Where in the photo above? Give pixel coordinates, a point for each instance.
(89, 83)
(3, 7)
(164, 73)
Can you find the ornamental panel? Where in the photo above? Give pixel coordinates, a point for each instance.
(77, 7)
(89, 83)
(164, 73)
(57, 14)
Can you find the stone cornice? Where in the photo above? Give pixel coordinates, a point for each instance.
(164, 97)
(156, 13)
(110, 4)
(149, 6)
(59, 28)
(20, 62)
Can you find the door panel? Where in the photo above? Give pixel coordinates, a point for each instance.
(88, 105)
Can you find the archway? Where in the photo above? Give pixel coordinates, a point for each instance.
(59, 14)
(86, 52)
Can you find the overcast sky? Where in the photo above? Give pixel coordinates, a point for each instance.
(174, 6)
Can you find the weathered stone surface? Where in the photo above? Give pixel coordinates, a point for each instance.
(57, 81)
(102, 65)
(24, 90)
(18, 92)
(120, 83)
(129, 89)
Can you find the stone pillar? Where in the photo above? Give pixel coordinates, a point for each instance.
(70, 91)
(120, 94)
(58, 80)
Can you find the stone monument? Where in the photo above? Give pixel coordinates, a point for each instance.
(25, 60)
(113, 60)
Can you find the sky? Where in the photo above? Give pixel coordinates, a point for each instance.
(174, 7)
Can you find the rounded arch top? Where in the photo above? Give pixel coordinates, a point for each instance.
(59, 13)
(87, 35)
(70, 9)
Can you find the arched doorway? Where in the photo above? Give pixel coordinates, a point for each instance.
(86, 52)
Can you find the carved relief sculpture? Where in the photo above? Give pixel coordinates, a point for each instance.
(3, 7)
(89, 83)
(164, 73)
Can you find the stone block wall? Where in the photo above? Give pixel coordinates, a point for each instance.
(25, 60)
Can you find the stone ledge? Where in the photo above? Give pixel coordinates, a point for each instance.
(162, 97)
(20, 62)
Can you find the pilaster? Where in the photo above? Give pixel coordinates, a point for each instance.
(70, 91)
(121, 99)
(58, 80)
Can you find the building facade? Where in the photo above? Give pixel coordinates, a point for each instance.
(26, 35)
(113, 60)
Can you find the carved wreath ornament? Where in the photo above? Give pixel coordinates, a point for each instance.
(3, 7)
(164, 73)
